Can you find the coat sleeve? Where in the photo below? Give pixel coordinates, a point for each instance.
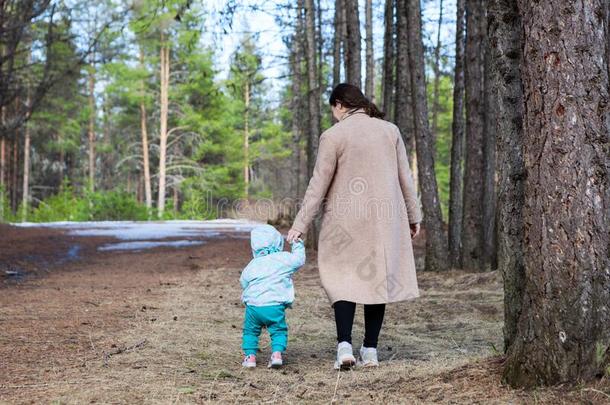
(323, 173)
(407, 185)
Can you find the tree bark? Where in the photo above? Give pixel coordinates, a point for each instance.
(488, 230)
(2, 163)
(337, 41)
(505, 41)
(389, 43)
(457, 142)
(25, 201)
(247, 137)
(15, 175)
(144, 135)
(436, 243)
(91, 131)
(313, 100)
(297, 104)
(353, 64)
(472, 214)
(403, 112)
(437, 74)
(369, 87)
(563, 333)
(164, 83)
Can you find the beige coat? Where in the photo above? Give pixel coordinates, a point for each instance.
(364, 185)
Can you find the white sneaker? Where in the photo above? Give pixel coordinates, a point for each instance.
(249, 361)
(276, 360)
(368, 357)
(345, 356)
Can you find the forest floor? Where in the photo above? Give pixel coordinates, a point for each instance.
(164, 325)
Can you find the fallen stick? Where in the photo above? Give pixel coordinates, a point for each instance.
(120, 350)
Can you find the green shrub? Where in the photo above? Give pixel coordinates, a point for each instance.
(93, 206)
(63, 206)
(114, 206)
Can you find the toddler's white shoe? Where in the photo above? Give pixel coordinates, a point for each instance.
(276, 360)
(368, 357)
(345, 356)
(249, 361)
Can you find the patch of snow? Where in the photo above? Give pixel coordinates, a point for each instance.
(138, 231)
(140, 245)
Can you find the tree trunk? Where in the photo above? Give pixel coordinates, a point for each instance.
(389, 43)
(403, 112)
(488, 234)
(369, 87)
(505, 38)
(144, 135)
(2, 164)
(436, 242)
(472, 214)
(563, 333)
(15, 175)
(246, 138)
(164, 83)
(313, 100)
(437, 74)
(25, 202)
(297, 104)
(337, 41)
(353, 62)
(91, 131)
(457, 143)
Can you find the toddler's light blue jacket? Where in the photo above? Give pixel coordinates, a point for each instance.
(267, 279)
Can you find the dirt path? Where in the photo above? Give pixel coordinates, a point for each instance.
(164, 326)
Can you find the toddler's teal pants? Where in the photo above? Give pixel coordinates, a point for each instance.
(272, 317)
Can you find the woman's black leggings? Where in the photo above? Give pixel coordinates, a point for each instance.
(344, 317)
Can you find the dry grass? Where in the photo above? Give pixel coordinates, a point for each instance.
(184, 347)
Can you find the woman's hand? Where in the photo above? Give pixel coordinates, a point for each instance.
(414, 230)
(293, 235)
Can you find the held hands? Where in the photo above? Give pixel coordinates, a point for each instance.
(293, 236)
(414, 230)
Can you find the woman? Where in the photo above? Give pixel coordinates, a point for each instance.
(371, 212)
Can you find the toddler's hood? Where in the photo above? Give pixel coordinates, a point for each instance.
(265, 239)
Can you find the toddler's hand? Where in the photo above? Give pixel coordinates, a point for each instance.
(414, 230)
(293, 235)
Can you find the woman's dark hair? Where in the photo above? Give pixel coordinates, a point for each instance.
(351, 97)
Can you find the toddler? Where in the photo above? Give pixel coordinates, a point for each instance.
(268, 291)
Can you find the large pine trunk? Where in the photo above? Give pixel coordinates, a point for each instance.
(563, 333)
(488, 229)
(353, 44)
(472, 210)
(436, 242)
(389, 44)
(505, 41)
(369, 87)
(457, 142)
(403, 113)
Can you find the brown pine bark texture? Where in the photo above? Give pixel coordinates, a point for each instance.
(472, 214)
(436, 242)
(457, 142)
(505, 45)
(563, 333)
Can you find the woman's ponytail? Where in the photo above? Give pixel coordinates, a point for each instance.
(373, 111)
(351, 97)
